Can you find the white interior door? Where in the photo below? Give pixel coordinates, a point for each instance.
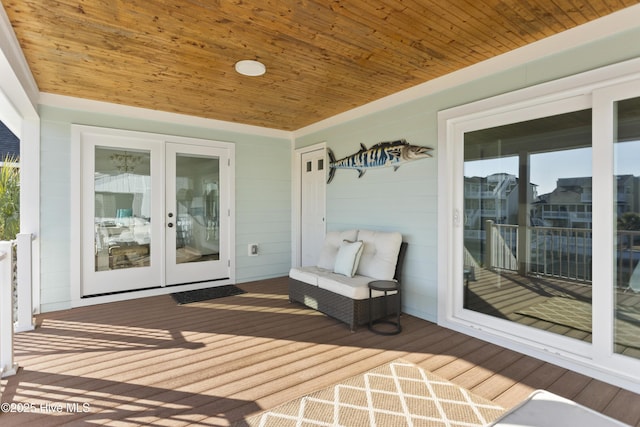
(197, 213)
(312, 205)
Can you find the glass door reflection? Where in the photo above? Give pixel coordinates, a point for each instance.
(197, 213)
(528, 223)
(627, 233)
(197, 208)
(122, 216)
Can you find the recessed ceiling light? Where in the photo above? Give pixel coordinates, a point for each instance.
(249, 67)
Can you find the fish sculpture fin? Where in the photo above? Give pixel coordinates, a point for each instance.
(363, 147)
(395, 168)
(361, 172)
(386, 144)
(332, 169)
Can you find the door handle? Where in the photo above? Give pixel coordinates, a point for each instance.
(170, 225)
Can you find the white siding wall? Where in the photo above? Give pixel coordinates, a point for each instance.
(263, 202)
(263, 197)
(384, 199)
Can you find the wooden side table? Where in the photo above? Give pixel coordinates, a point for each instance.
(385, 286)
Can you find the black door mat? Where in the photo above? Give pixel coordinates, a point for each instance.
(187, 297)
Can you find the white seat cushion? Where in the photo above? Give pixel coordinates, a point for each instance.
(379, 255)
(308, 274)
(331, 246)
(355, 287)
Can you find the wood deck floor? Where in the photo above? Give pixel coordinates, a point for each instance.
(152, 362)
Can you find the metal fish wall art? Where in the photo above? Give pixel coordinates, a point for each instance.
(382, 155)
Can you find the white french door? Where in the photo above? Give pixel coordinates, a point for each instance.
(121, 229)
(197, 217)
(154, 213)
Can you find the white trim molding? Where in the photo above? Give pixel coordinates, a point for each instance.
(99, 107)
(19, 95)
(17, 82)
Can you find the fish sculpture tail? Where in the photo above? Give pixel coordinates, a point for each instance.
(332, 160)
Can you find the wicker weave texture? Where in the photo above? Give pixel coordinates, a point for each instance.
(347, 310)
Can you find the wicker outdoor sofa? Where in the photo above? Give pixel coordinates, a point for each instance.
(345, 297)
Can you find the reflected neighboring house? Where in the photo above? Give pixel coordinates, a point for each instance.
(493, 197)
(570, 203)
(9, 143)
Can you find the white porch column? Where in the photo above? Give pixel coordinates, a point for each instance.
(7, 366)
(25, 284)
(525, 196)
(489, 256)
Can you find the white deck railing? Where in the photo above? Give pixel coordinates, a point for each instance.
(7, 364)
(561, 252)
(16, 304)
(558, 252)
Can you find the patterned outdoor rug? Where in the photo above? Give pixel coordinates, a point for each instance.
(393, 395)
(187, 297)
(577, 314)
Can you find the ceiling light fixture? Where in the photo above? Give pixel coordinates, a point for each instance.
(249, 67)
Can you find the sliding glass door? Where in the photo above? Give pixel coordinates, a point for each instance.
(543, 247)
(626, 283)
(527, 229)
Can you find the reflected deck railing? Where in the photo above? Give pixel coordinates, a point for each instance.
(558, 252)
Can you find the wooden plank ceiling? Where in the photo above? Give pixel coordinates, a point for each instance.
(322, 57)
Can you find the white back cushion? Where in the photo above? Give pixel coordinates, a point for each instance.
(332, 242)
(380, 254)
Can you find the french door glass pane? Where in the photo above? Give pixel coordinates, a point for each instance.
(122, 214)
(627, 234)
(527, 223)
(197, 202)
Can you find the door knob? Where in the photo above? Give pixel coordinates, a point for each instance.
(170, 214)
(170, 225)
